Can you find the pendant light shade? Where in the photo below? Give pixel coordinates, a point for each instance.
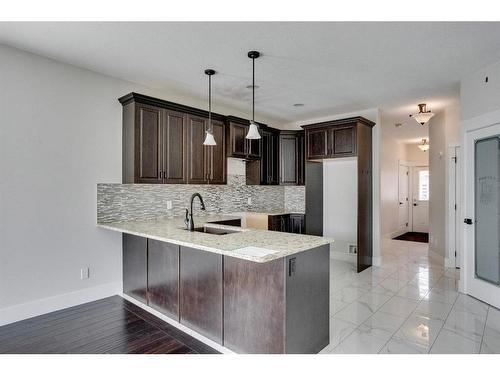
(209, 136)
(253, 130)
(423, 116)
(209, 139)
(424, 146)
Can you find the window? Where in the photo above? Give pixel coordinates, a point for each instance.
(423, 185)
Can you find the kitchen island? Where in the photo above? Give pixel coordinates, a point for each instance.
(250, 290)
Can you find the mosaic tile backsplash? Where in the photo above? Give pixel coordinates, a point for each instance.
(121, 202)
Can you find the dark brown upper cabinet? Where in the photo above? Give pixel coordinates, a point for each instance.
(163, 143)
(207, 164)
(292, 162)
(237, 145)
(288, 158)
(197, 153)
(333, 139)
(148, 153)
(269, 166)
(174, 147)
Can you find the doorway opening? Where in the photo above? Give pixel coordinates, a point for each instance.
(413, 193)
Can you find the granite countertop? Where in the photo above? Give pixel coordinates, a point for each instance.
(172, 230)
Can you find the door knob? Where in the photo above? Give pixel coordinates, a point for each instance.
(415, 204)
(468, 221)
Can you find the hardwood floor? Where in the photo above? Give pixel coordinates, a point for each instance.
(110, 325)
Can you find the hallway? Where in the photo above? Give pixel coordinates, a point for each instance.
(410, 304)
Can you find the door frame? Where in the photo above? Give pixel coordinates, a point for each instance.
(454, 206)
(490, 293)
(407, 227)
(411, 165)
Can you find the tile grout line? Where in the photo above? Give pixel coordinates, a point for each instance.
(412, 314)
(444, 321)
(484, 328)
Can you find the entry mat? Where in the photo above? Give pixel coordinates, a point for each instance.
(413, 236)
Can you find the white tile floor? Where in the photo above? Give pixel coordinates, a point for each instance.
(410, 304)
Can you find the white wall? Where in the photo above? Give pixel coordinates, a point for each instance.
(443, 131)
(60, 134)
(416, 155)
(340, 202)
(391, 152)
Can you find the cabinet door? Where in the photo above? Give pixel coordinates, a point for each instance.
(174, 148)
(288, 159)
(237, 141)
(265, 174)
(301, 159)
(297, 223)
(217, 155)
(274, 160)
(163, 277)
(317, 143)
(148, 153)
(343, 141)
(135, 263)
(201, 292)
(285, 223)
(197, 153)
(254, 148)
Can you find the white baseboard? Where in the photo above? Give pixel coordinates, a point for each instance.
(177, 325)
(27, 310)
(351, 258)
(345, 257)
(376, 261)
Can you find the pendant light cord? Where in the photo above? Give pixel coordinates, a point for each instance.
(210, 103)
(253, 89)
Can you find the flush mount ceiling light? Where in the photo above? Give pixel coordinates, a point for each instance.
(424, 146)
(253, 131)
(423, 115)
(209, 137)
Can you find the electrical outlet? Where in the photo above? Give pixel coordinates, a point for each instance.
(169, 205)
(249, 201)
(353, 249)
(84, 273)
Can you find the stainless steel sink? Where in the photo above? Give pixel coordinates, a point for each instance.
(216, 231)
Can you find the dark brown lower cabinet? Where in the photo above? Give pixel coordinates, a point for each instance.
(280, 306)
(291, 223)
(135, 265)
(200, 292)
(297, 224)
(163, 277)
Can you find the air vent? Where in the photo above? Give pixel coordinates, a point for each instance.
(353, 249)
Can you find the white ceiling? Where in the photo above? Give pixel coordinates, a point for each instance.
(330, 67)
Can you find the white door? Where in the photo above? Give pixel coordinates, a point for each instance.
(420, 197)
(482, 209)
(404, 208)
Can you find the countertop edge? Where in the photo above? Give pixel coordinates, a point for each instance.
(265, 259)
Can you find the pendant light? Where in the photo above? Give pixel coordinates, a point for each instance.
(423, 115)
(424, 146)
(209, 138)
(253, 130)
